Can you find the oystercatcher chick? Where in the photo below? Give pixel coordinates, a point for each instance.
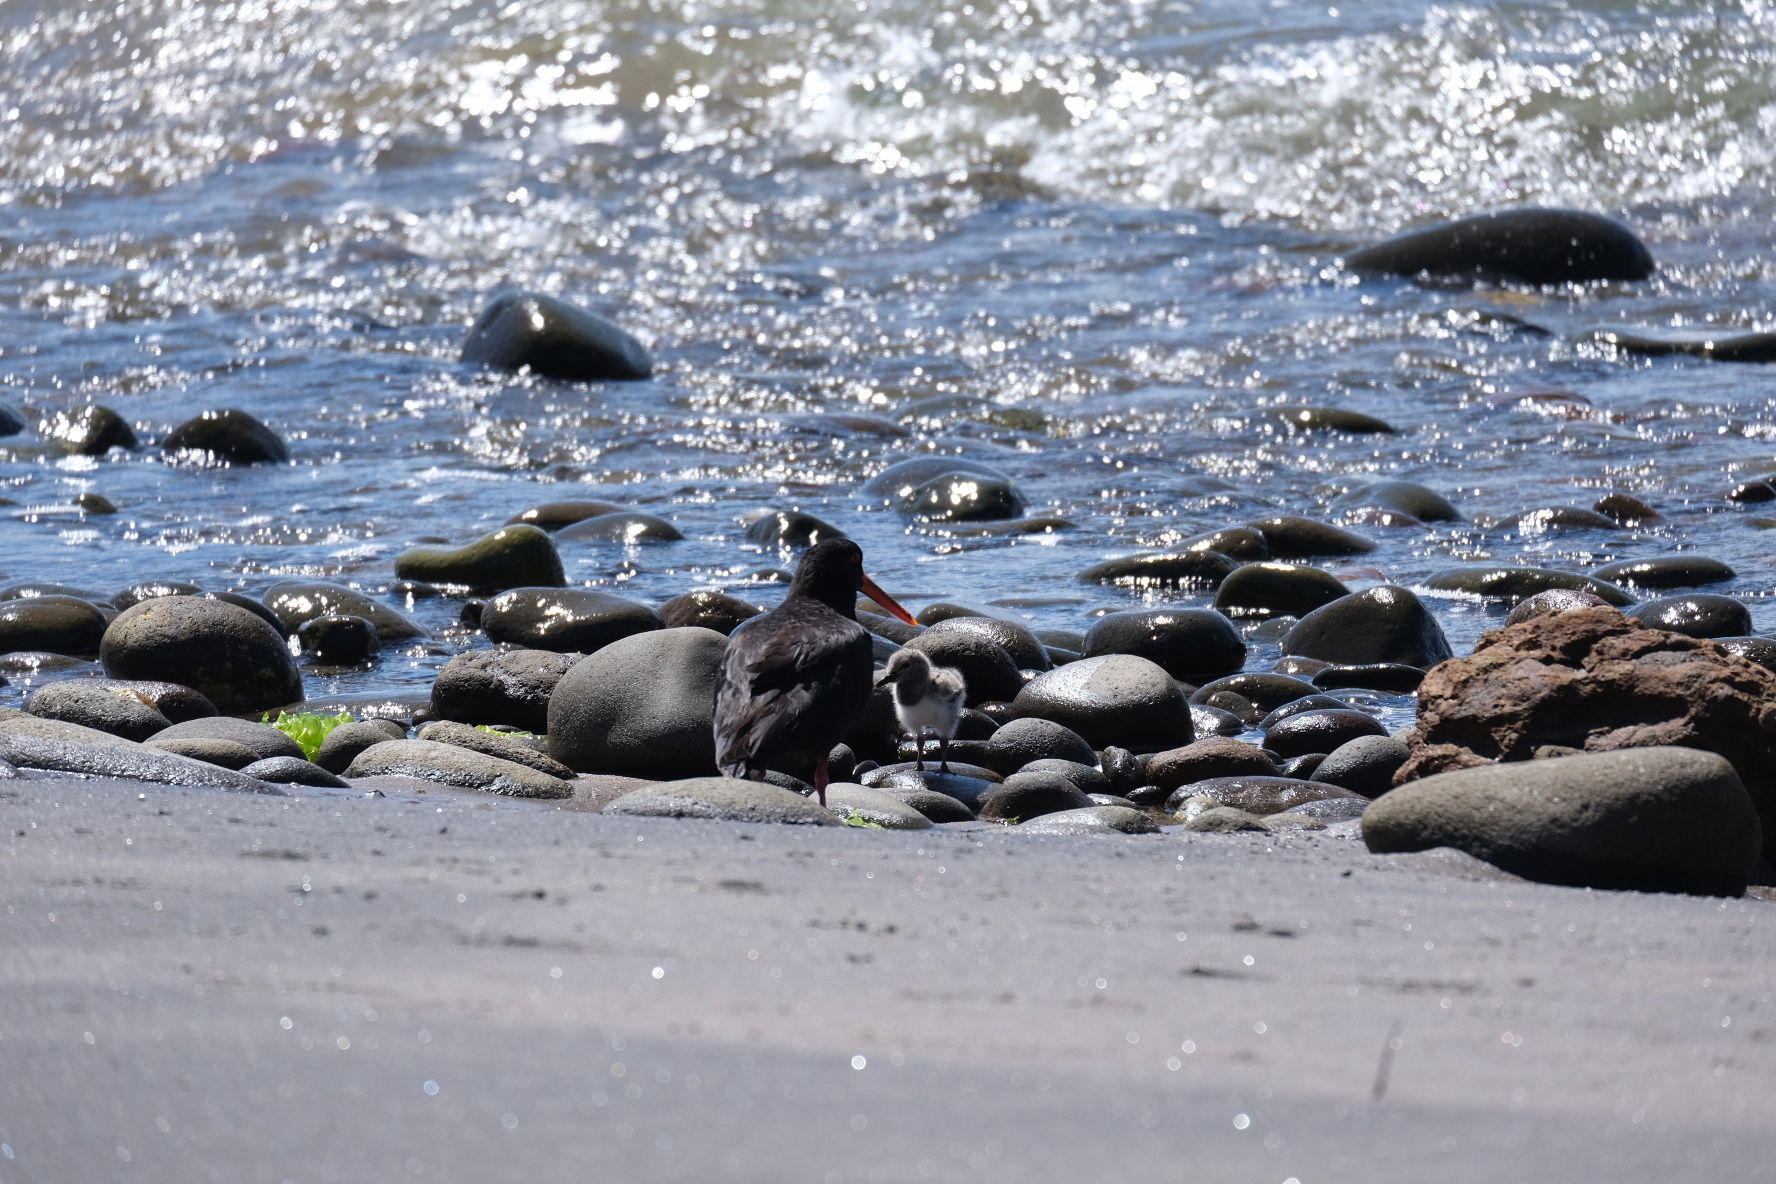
(927, 698)
(795, 680)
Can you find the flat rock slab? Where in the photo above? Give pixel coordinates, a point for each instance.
(873, 807)
(1091, 820)
(728, 799)
(123, 761)
(1658, 819)
(463, 768)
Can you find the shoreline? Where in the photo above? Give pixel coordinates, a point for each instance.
(561, 978)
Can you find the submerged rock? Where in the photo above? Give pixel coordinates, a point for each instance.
(1189, 570)
(1259, 591)
(510, 557)
(1386, 624)
(623, 526)
(1715, 344)
(568, 620)
(51, 624)
(92, 430)
(553, 339)
(1531, 246)
(228, 436)
(1509, 582)
(297, 602)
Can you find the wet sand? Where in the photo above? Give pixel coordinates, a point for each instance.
(208, 986)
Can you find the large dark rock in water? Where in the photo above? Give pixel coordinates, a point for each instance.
(509, 687)
(230, 655)
(1530, 246)
(510, 557)
(643, 706)
(1592, 680)
(554, 339)
(227, 436)
(1385, 624)
(1192, 644)
(1657, 819)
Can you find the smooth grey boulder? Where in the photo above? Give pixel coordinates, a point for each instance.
(935, 806)
(508, 748)
(1365, 765)
(643, 705)
(873, 807)
(290, 770)
(510, 687)
(96, 705)
(1091, 820)
(263, 739)
(1225, 820)
(1023, 796)
(122, 760)
(1386, 624)
(1658, 819)
(554, 339)
(1116, 699)
(1533, 245)
(463, 768)
(230, 754)
(727, 799)
(1211, 756)
(219, 649)
(343, 744)
(92, 430)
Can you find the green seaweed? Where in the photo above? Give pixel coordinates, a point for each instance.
(856, 818)
(307, 728)
(514, 733)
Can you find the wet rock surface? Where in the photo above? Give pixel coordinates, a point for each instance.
(553, 339)
(726, 799)
(510, 687)
(510, 557)
(223, 651)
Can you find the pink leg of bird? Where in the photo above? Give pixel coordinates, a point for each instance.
(820, 779)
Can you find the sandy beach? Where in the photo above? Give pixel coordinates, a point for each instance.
(212, 986)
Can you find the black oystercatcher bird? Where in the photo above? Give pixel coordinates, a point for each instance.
(795, 679)
(927, 698)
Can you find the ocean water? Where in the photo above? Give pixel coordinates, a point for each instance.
(1087, 244)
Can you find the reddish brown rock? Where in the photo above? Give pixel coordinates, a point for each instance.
(1592, 680)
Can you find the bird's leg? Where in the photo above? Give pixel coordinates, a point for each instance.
(919, 742)
(820, 779)
(943, 749)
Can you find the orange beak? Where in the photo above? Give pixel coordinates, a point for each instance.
(875, 593)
